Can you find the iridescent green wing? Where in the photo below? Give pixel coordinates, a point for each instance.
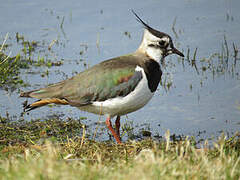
(109, 79)
(113, 78)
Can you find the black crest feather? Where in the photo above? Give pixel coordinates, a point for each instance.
(153, 31)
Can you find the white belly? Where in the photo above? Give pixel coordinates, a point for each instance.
(123, 105)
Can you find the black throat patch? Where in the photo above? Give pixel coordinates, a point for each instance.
(153, 73)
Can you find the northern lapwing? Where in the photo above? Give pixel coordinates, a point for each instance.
(116, 86)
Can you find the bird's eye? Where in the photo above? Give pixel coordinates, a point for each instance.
(161, 43)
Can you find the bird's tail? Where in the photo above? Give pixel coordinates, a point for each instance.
(42, 102)
(48, 95)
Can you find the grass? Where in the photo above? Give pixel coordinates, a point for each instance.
(11, 66)
(55, 149)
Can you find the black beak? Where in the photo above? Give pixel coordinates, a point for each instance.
(175, 51)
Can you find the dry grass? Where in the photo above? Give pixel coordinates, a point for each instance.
(133, 160)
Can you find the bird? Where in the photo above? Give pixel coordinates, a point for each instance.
(116, 86)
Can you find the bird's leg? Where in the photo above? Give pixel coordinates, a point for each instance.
(115, 135)
(117, 125)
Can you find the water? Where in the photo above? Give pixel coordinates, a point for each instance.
(203, 102)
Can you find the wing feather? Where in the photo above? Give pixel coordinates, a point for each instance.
(109, 79)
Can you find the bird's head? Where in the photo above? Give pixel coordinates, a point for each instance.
(156, 44)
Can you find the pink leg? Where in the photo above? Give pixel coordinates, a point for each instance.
(115, 135)
(117, 124)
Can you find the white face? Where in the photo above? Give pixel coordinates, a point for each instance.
(154, 46)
